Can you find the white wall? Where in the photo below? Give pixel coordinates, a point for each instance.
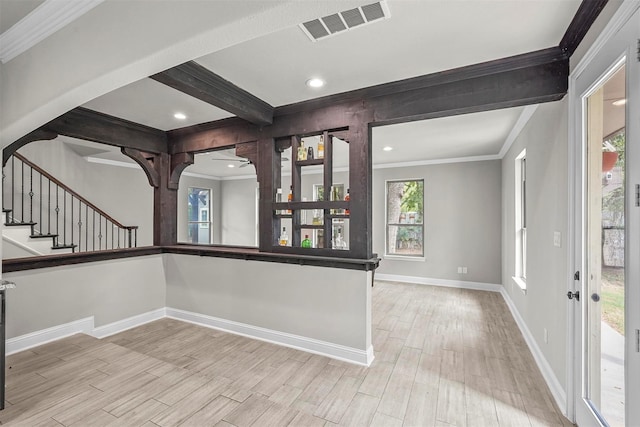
(110, 290)
(123, 193)
(544, 304)
(462, 221)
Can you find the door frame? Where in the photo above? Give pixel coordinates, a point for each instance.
(592, 70)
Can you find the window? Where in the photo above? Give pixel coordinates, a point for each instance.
(521, 219)
(199, 215)
(405, 210)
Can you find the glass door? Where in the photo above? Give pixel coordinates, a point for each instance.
(607, 249)
(199, 215)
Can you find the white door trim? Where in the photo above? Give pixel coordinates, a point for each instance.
(576, 93)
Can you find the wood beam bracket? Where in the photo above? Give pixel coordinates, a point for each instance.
(249, 151)
(41, 134)
(179, 162)
(147, 162)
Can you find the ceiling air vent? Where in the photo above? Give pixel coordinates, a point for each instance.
(347, 20)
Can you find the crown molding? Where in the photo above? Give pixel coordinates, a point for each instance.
(522, 121)
(43, 21)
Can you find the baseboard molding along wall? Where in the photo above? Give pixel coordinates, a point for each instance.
(479, 286)
(558, 392)
(34, 339)
(310, 345)
(86, 326)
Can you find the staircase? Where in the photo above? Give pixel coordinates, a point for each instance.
(43, 216)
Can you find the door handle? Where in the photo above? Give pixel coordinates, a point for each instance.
(595, 297)
(572, 295)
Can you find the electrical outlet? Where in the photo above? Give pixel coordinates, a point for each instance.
(464, 270)
(546, 336)
(459, 270)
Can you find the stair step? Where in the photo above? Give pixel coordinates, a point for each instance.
(70, 246)
(17, 224)
(43, 236)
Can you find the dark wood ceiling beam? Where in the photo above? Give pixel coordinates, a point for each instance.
(586, 15)
(199, 82)
(220, 134)
(90, 125)
(531, 78)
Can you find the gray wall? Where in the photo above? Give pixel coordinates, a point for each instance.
(238, 212)
(462, 221)
(544, 304)
(109, 290)
(326, 304)
(123, 193)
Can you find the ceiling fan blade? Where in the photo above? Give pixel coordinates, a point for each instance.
(244, 164)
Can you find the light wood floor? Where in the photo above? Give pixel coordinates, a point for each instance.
(443, 357)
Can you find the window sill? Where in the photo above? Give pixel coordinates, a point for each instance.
(522, 284)
(404, 258)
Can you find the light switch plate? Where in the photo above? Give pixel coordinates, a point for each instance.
(557, 239)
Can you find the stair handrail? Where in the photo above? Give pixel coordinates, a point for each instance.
(70, 191)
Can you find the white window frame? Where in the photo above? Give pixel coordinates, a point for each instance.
(403, 257)
(520, 276)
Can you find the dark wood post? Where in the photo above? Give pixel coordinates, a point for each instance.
(165, 204)
(269, 181)
(360, 182)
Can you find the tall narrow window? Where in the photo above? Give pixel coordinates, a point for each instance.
(521, 219)
(405, 226)
(199, 215)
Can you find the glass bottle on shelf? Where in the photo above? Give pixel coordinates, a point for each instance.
(302, 152)
(306, 243)
(303, 213)
(346, 199)
(289, 199)
(310, 153)
(284, 237)
(317, 217)
(278, 199)
(321, 147)
(338, 241)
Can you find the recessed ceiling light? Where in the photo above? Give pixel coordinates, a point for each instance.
(387, 148)
(315, 82)
(231, 166)
(180, 116)
(620, 102)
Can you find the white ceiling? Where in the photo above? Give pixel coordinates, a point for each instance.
(420, 37)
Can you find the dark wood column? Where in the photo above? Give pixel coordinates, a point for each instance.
(165, 205)
(268, 161)
(361, 184)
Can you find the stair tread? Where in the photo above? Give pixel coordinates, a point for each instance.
(43, 236)
(16, 224)
(71, 246)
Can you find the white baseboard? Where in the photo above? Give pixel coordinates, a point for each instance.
(128, 323)
(555, 386)
(334, 351)
(34, 339)
(480, 286)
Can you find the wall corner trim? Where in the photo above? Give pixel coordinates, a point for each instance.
(557, 390)
(310, 345)
(479, 286)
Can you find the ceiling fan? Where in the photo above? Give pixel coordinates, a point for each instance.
(243, 162)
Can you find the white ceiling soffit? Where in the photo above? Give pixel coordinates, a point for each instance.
(349, 19)
(43, 21)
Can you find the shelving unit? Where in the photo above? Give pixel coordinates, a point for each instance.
(296, 206)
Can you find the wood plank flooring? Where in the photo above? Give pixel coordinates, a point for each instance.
(443, 357)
